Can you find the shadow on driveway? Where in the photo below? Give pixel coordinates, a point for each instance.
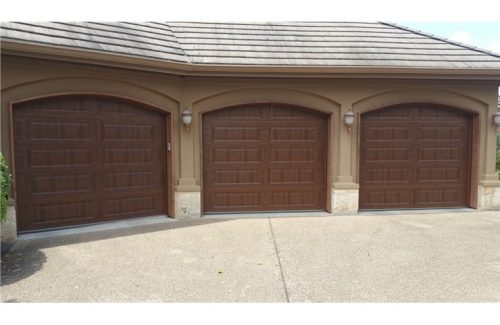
(17, 266)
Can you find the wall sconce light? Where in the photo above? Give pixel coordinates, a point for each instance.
(187, 118)
(349, 120)
(496, 120)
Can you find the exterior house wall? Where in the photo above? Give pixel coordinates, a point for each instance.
(24, 78)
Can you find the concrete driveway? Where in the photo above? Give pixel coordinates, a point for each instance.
(445, 257)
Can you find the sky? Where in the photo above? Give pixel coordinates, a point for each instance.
(485, 35)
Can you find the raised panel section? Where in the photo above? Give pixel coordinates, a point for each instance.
(438, 197)
(128, 205)
(127, 156)
(387, 198)
(236, 200)
(388, 175)
(440, 154)
(39, 131)
(130, 180)
(439, 133)
(293, 134)
(237, 177)
(236, 134)
(59, 157)
(55, 213)
(294, 155)
(439, 174)
(293, 176)
(299, 199)
(120, 132)
(379, 133)
(226, 155)
(387, 154)
(52, 184)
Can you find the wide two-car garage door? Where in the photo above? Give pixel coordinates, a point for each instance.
(264, 158)
(86, 159)
(414, 156)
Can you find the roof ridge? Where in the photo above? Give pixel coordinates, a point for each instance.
(440, 38)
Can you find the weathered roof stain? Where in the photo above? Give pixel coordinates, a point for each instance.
(342, 44)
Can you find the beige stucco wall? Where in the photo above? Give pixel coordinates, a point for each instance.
(24, 78)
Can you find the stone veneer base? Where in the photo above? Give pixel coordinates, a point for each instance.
(488, 197)
(187, 204)
(345, 200)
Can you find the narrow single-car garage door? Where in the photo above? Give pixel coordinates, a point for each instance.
(414, 156)
(264, 158)
(86, 159)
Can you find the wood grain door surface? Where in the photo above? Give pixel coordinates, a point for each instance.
(414, 156)
(264, 157)
(85, 159)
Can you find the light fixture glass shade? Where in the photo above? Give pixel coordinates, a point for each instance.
(187, 117)
(349, 119)
(496, 119)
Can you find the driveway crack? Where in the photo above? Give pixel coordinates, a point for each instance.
(279, 261)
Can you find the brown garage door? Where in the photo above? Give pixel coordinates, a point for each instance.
(414, 156)
(86, 159)
(264, 158)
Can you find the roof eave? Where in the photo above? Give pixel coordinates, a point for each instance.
(41, 51)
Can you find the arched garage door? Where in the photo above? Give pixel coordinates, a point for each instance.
(264, 157)
(86, 159)
(415, 156)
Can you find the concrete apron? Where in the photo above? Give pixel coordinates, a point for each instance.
(447, 257)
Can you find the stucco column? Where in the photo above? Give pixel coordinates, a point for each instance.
(490, 148)
(344, 190)
(187, 191)
(489, 185)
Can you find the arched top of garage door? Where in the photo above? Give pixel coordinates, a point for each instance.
(408, 96)
(238, 97)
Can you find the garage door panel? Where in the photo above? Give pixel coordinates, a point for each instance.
(126, 205)
(128, 132)
(83, 167)
(57, 214)
(256, 162)
(290, 176)
(388, 198)
(233, 177)
(391, 175)
(237, 155)
(440, 174)
(387, 133)
(294, 155)
(55, 157)
(441, 154)
(384, 154)
(433, 162)
(236, 133)
(242, 200)
(294, 134)
(439, 197)
(297, 199)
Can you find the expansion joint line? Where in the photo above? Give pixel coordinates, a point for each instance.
(279, 261)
